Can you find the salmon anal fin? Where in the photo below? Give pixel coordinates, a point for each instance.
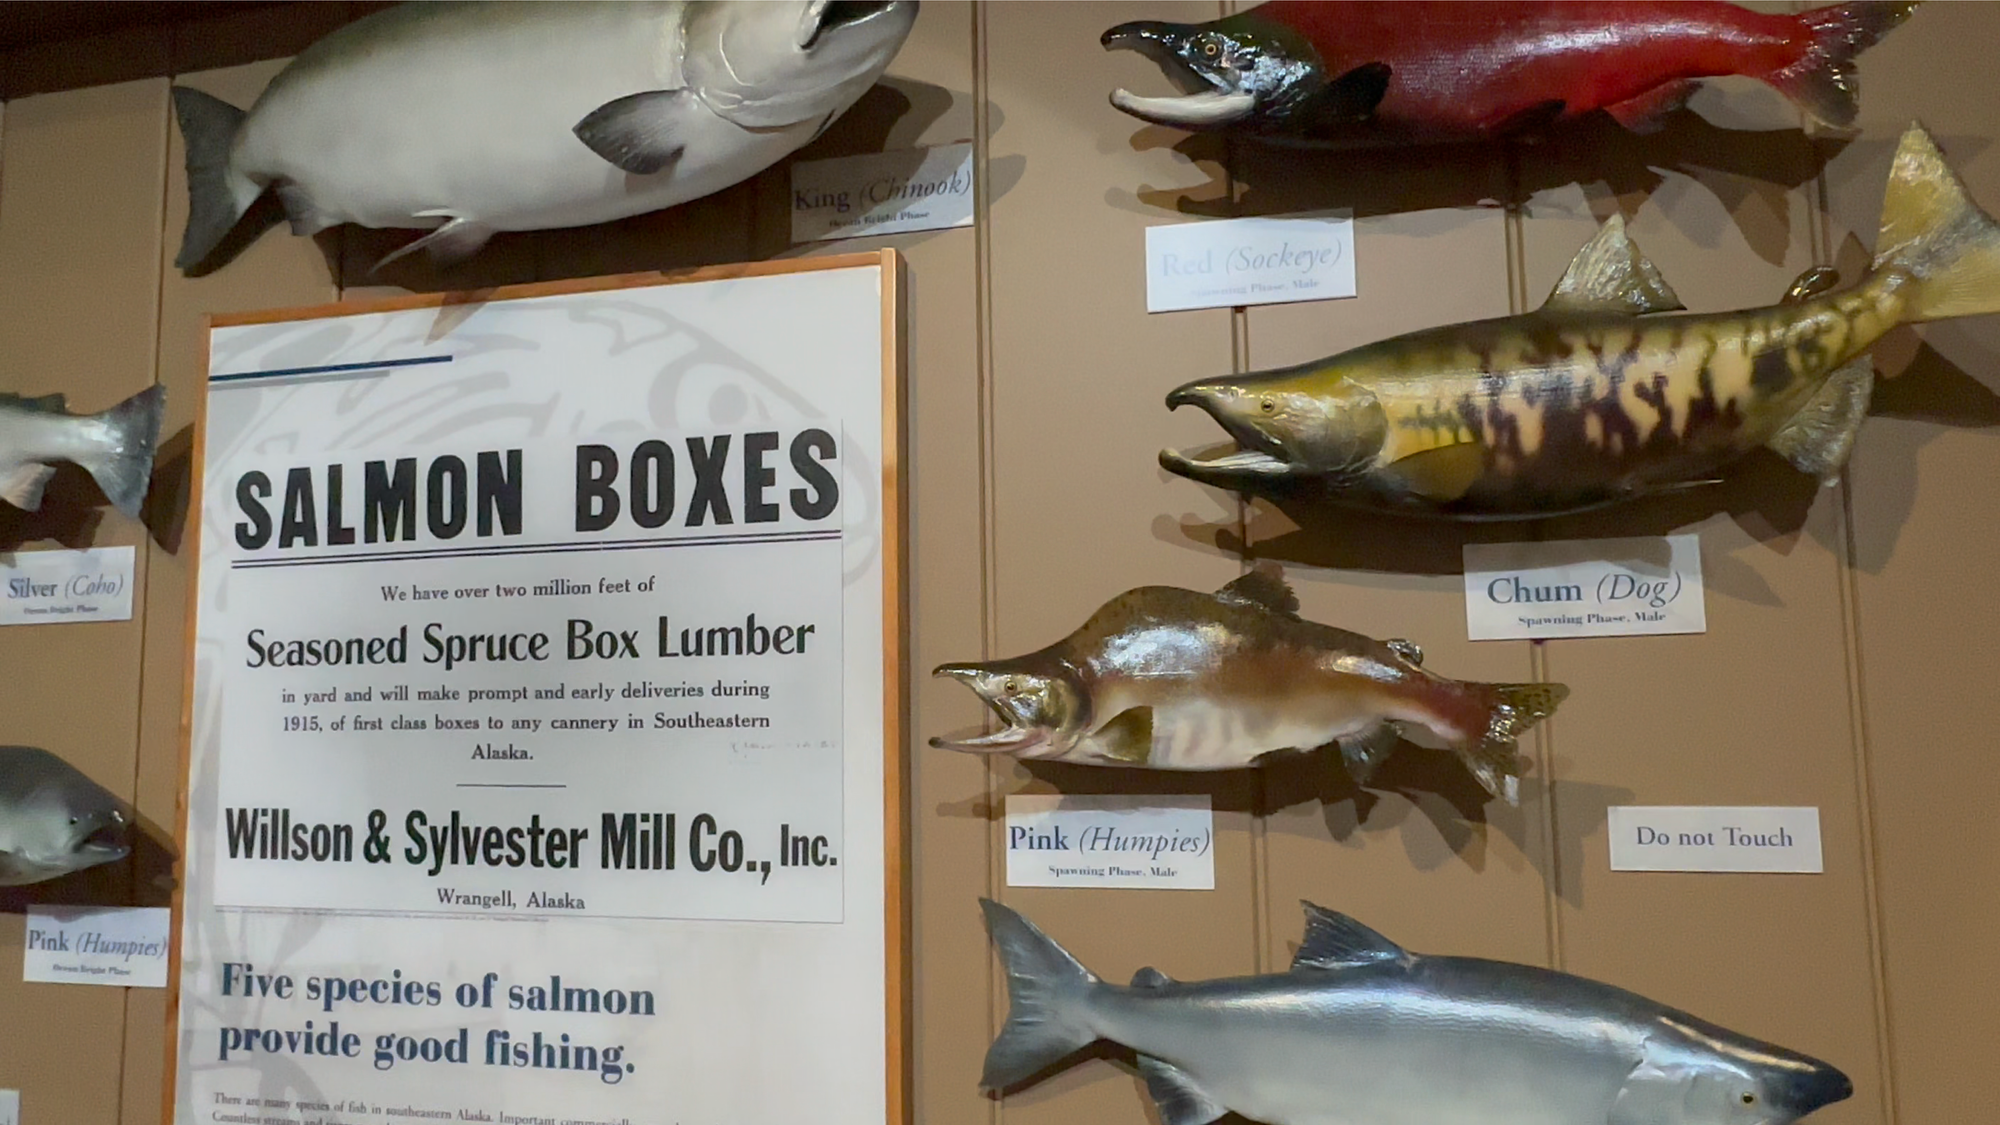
(1174, 1093)
(1818, 439)
(1439, 475)
(1648, 112)
(1610, 275)
(1128, 737)
(22, 485)
(1264, 586)
(1365, 752)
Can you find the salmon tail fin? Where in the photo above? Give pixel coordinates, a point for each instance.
(1821, 80)
(1048, 994)
(1494, 759)
(122, 464)
(1935, 234)
(217, 196)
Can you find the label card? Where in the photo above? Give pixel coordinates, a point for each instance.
(121, 945)
(1715, 838)
(65, 587)
(1228, 262)
(10, 1107)
(1584, 588)
(1149, 842)
(882, 193)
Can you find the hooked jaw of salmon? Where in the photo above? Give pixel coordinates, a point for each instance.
(828, 17)
(99, 837)
(1280, 431)
(1224, 76)
(1044, 714)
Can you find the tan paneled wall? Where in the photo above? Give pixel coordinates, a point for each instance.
(1849, 660)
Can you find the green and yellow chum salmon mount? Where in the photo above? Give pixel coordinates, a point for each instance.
(1175, 679)
(1591, 399)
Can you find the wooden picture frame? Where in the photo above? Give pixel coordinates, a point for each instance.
(895, 827)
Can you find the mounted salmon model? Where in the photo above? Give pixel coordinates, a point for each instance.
(1175, 679)
(1589, 401)
(1361, 72)
(474, 118)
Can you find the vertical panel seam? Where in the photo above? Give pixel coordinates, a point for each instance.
(1848, 593)
(989, 616)
(140, 562)
(1514, 225)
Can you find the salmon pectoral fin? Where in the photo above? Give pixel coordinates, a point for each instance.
(1128, 737)
(1348, 99)
(1648, 112)
(1174, 1092)
(1439, 475)
(1819, 437)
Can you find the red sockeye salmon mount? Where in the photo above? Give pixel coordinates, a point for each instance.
(1359, 73)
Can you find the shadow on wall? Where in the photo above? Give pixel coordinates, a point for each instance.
(1735, 164)
(1434, 785)
(1762, 492)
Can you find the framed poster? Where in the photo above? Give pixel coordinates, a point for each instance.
(545, 720)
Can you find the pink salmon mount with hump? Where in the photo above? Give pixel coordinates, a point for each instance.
(1166, 678)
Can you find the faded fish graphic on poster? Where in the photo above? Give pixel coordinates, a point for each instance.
(538, 710)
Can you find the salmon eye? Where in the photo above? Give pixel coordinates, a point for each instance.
(1268, 406)
(1749, 1099)
(1013, 687)
(1211, 48)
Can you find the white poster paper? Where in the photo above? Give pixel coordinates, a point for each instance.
(1152, 842)
(882, 193)
(1715, 838)
(1584, 588)
(538, 746)
(66, 587)
(1227, 262)
(115, 945)
(10, 1107)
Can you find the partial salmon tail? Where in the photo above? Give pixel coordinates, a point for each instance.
(217, 196)
(1047, 992)
(123, 464)
(1936, 235)
(1495, 760)
(1821, 80)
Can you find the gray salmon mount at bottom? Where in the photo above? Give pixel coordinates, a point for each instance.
(1360, 1031)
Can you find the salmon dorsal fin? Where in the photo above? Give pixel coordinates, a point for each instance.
(1335, 941)
(1610, 275)
(1265, 587)
(47, 404)
(1149, 977)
